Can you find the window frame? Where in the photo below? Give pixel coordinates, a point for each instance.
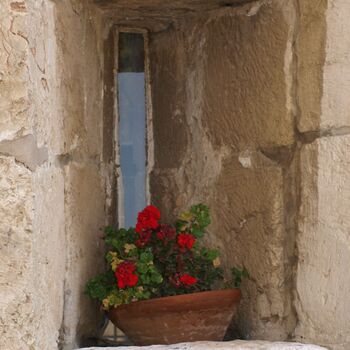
(149, 120)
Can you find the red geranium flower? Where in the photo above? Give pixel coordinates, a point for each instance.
(188, 280)
(144, 238)
(185, 240)
(166, 232)
(125, 274)
(148, 219)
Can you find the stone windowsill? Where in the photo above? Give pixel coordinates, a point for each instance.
(233, 345)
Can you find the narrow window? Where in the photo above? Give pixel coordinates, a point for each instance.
(132, 111)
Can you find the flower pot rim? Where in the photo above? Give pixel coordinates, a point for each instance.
(153, 321)
(233, 292)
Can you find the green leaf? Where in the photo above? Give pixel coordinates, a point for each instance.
(238, 275)
(142, 268)
(212, 254)
(157, 278)
(201, 213)
(146, 256)
(197, 232)
(100, 286)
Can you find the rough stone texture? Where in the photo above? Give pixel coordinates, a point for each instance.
(14, 98)
(310, 48)
(158, 15)
(210, 146)
(25, 150)
(244, 94)
(81, 106)
(324, 59)
(323, 280)
(84, 225)
(321, 297)
(336, 72)
(235, 345)
(161, 6)
(240, 52)
(16, 272)
(51, 187)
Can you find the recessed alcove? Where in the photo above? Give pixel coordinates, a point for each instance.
(222, 129)
(247, 111)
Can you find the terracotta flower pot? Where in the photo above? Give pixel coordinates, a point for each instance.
(176, 319)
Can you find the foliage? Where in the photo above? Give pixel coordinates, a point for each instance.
(155, 260)
(238, 275)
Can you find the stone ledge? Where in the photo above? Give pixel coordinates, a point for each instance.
(233, 345)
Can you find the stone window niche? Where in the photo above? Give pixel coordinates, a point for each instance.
(220, 131)
(247, 110)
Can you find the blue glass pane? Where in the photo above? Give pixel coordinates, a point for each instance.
(132, 139)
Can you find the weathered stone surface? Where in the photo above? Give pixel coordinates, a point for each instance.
(249, 215)
(323, 51)
(79, 99)
(50, 101)
(336, 85)
(208, 140)
(84, 225)
(245, 60)
(158, 15)
(161, 6)
(44, 68)
(16, 249)
(14, 96)
(235, 345)
(168, 87)
(323, 281)
(230, 86)
(25, 150)
(49, 255)
(311, 53)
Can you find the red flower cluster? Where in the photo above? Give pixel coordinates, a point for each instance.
(148, 219)
(185, 240)
(125, 274)
(188, 280)
(144, 238)
(166, 232)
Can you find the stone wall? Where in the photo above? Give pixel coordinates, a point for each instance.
(323, 282)
(251, 117)
(224, 136)
(51, 188)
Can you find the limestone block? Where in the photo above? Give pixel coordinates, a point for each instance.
(85, 220)
(234, 345)
(16, 236)
(14, 98)
(323, 49)
(246, 78)
(311, 51)
(248, 211)
(79, 77)
(44, 64)
(323, 281)
(336, 84)
(168, 86)
(49, 255)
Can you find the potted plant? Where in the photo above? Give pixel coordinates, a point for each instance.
(162, 286)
